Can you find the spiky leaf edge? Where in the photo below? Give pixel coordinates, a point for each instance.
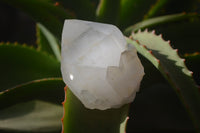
(147, 53)
(159, 21)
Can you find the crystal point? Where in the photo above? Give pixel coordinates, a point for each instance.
(98, 66)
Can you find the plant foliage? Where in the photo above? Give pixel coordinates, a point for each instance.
(31, 88)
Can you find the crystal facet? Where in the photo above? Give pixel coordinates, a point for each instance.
(98, 65)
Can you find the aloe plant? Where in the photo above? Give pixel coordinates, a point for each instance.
(32, 90)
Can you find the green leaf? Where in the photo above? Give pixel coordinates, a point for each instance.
(108, 11)
(132, 11)
(165, 110)
(21, 64)
(47, 42)
(123, 125)
(45, 12)
(32, 116)
(159, 21)
(42, 42)
(167, 61)
(92, 120)
(50, 89)
(149, 79)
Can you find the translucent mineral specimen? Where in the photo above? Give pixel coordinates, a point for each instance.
(98, 66)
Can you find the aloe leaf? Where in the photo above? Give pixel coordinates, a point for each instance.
(149, 79)
(108, 11)
(45, 12)
(21, 64)
(50, 89)
(42, 42)
(159, 21)
(18, 113)
(44, 36)
(32, 116)
(132, 11)
(167, 61)
(91, 121)
(165, 110)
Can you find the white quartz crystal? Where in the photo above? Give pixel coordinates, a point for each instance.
(98, 66)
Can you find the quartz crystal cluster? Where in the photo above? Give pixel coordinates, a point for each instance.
(98, 66)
